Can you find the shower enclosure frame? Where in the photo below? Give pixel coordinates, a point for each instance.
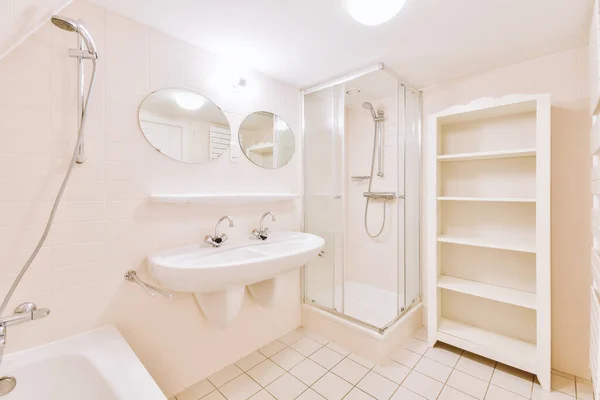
(331, 310)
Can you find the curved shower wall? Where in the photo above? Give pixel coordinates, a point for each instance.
(372, 281)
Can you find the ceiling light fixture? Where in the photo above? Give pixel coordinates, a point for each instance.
(240, 84)
(189, 101)
(352, 92)
(373, 12)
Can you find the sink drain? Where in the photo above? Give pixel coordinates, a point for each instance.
(7, 384)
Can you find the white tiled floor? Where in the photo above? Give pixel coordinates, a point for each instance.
(304, 366)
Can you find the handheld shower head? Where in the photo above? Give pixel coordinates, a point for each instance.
(64, 23)
(368, 106)
(70, 25)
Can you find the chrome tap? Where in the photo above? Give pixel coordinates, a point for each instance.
(218, 239)
(23, 313)
(263, 233)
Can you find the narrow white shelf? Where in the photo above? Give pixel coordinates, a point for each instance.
(491, 243)
(263, 148)
(224, 198)
(489, 199)
(488, 155)
(487, 291)
(510, 351)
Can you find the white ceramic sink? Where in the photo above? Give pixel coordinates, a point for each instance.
(218, 276)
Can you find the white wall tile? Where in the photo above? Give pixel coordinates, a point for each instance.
(167, 56)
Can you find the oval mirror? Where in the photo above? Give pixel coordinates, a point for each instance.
(267, 140)
(184, 125)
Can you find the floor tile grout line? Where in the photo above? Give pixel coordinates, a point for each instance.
(489, 383)
(449, 375)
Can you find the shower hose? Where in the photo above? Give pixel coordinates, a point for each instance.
(42, 239)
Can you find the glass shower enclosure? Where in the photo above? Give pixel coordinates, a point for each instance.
(362, 195)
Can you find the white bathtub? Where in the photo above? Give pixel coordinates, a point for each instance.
(97, 365)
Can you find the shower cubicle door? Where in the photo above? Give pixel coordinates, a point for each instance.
(412, 196)
(323, 200)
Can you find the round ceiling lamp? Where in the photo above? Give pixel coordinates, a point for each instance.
(373, 12)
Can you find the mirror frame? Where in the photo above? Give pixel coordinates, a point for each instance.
(246, 155)
(194, 91)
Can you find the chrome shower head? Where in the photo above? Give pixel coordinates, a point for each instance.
(70, 25)
(368, 106)
(65, 23)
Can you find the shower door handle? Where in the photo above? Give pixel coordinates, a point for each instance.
(337, 197)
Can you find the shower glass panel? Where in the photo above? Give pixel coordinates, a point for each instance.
(323, 214)
(362, 196)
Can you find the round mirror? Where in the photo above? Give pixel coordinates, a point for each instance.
(267, 140)
(184, 125)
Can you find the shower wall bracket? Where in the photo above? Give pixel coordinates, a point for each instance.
(382, 195)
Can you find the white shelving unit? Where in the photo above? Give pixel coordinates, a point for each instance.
(488, 230)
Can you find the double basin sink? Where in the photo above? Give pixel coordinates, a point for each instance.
(218, 276)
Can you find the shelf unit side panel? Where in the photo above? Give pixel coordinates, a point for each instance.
(543, 239)
(433, 189)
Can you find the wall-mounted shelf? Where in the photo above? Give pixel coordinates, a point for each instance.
(490, 199)
(261, 148)
(492, 216)
(487, 155)
(224, 198)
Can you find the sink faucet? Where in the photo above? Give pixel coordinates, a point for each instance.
(23, 313)
(263, 233)
(217, 240)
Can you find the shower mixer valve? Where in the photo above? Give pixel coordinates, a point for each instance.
(23, 313)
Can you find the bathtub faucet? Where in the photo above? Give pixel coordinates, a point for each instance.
(23, 313)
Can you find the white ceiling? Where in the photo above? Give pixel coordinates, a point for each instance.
(305, 42)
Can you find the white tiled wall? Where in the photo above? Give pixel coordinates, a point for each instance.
(375, 262)
(19, 18)
(106, 225)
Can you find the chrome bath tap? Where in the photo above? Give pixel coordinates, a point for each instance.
(218, 239)
(23, 313)
(263, 233)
